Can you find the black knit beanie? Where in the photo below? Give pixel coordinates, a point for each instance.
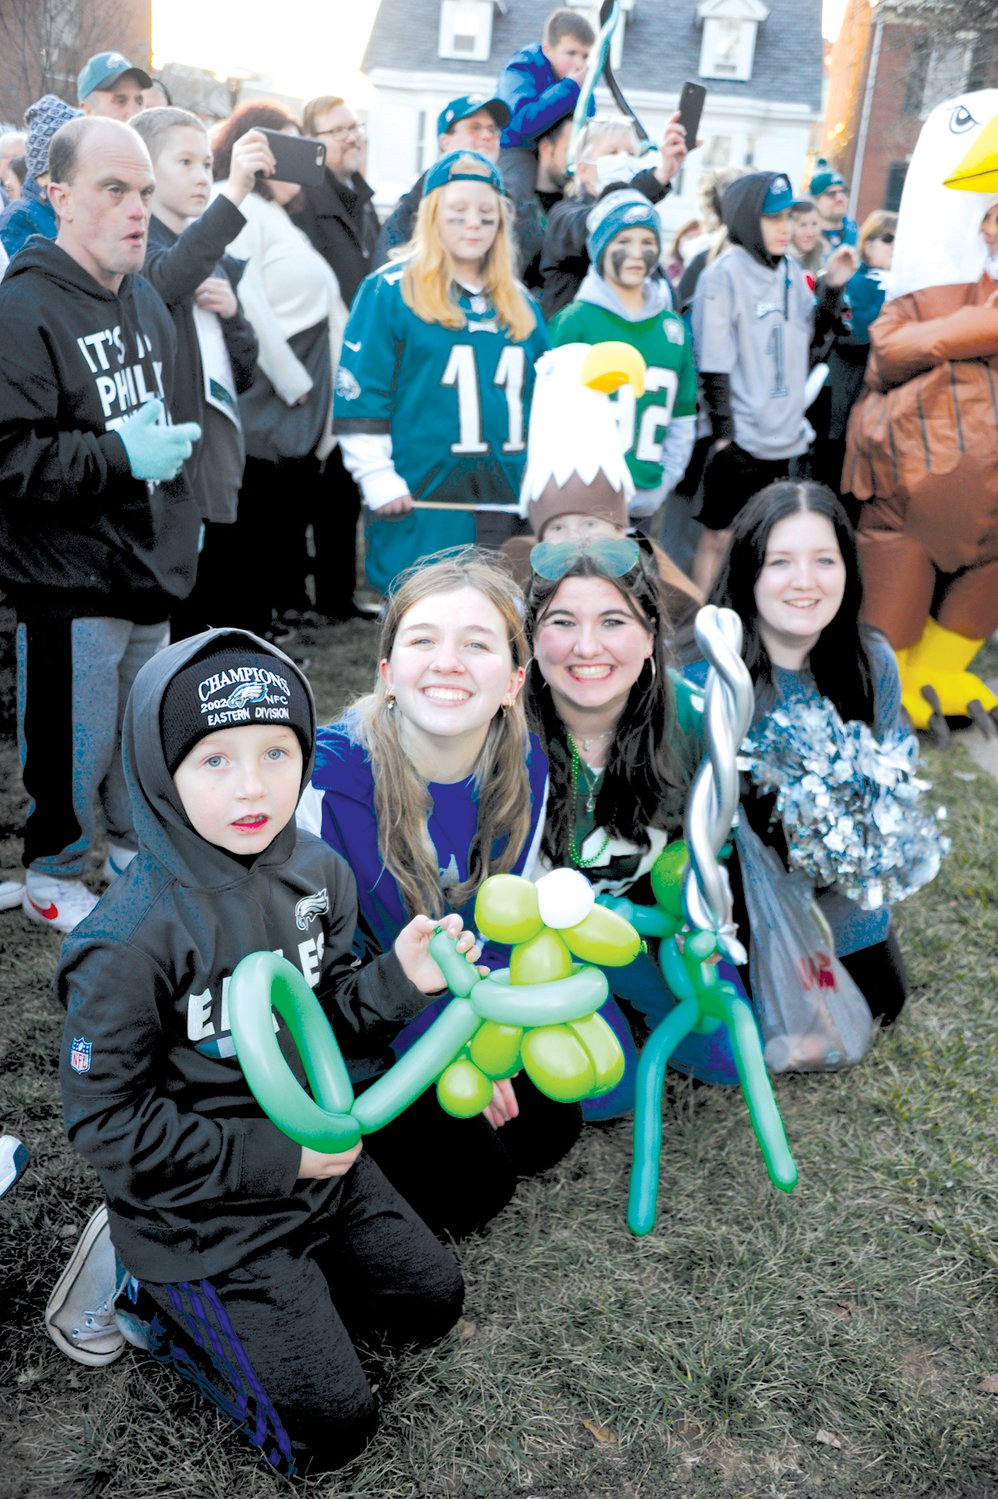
(226, 690)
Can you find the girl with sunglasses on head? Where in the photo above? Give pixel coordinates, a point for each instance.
(433, 389)
(623, 740)
(792, 576)
(426, 786)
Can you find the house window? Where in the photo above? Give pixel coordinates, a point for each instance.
(896, 173)
(937, 71)
(730, 28)
(465, 29)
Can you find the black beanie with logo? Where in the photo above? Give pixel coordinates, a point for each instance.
(227, 690)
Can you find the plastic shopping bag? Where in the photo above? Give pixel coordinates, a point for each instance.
(812, 1016)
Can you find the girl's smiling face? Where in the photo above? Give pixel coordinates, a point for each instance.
(450, 670)
(800, 586)
(591, 647)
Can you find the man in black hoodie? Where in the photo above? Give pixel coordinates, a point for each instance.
(98, 527)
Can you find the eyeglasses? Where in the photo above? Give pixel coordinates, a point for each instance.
(613, 556)
(340, 132)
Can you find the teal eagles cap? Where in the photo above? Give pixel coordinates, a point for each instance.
(780, 195)
(463, 166)
(103, 70)
(824, 178)
(470, 104)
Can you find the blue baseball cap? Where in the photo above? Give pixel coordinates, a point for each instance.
(470, 104)
(103, 70)
(625, 208)
(824, 179)
(462, 166)
(780, 196)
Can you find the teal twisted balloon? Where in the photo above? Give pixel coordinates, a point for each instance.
(692, 905)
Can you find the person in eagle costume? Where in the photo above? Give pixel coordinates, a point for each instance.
(922, 449)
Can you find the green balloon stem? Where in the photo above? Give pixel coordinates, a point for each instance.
(420, 1066)
(460, 976)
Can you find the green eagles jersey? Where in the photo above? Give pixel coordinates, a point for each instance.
(455, 401)
(670, 379)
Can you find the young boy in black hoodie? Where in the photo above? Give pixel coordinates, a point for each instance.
(273, 1256)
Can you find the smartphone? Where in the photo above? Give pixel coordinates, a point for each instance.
(691, 102)
(299, 159)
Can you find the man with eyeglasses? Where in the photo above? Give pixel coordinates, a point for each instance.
(830, 192)
(338, 216)
(470, 123)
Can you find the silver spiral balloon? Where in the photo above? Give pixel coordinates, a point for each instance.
(729, 702)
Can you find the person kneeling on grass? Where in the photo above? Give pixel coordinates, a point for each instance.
(272, 1256)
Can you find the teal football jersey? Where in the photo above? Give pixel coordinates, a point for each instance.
(670, 379)
(455, 401)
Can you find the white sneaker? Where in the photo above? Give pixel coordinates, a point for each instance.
(117, 861)
(61, 904)
(80, 1313)
(11, 892)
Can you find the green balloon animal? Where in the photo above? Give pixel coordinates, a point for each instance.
(705, 1002)
(538, 1014)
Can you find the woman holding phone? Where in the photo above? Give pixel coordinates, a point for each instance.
(292, 299)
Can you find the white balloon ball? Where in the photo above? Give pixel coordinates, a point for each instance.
(565, 897)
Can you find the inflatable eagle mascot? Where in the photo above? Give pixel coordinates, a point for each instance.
(922, 449)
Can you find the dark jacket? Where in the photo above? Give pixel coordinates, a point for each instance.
(400, 223)
(78, 535)
(197, 1178)
(536, 98)
(564, 257)
(31, 213)
(343, 226)
(176, 265)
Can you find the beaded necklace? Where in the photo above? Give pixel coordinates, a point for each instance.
(591, 788)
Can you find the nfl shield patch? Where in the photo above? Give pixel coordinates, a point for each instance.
(79, 1054)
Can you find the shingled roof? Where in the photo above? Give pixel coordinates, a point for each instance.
(661, 46)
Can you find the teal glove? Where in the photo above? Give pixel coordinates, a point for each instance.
(156, 452)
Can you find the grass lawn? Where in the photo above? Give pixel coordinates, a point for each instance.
(839, 1341)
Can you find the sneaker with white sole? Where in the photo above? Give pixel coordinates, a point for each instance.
(11, 894)
(80, 1314)
(117, 861)
(61, 904)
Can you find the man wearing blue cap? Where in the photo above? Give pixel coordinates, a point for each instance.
(830, 192)
(469, 123)
(109, 85)
(755, 323)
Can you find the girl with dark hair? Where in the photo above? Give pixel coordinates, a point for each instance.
(292, 299)
(427, 785)
(623, 739)
(792, 575)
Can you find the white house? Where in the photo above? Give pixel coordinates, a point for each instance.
(760, 62)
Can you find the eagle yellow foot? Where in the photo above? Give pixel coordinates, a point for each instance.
(936, 685)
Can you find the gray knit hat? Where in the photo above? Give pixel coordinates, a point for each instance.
(43, 119)
(625, 208)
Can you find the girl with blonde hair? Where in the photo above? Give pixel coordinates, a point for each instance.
(434, 386)
(426, 786)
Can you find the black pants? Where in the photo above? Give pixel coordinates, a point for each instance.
(459, 1173)
(879, 974)
(272, 1342)
(732, 477)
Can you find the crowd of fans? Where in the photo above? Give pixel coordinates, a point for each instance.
(211, 374)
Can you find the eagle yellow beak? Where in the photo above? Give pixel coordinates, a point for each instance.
(978, 171)
(610, 365)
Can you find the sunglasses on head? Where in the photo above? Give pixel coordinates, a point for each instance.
(613, 556)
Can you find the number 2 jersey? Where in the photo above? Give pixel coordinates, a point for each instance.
(453, 402)
(659, 427)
